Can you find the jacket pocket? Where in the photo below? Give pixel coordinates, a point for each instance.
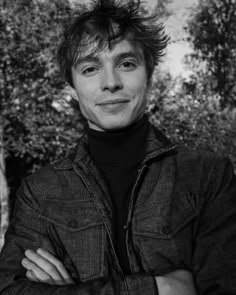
(163, 233)
(78, 229)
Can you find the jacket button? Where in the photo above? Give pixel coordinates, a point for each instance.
(72, 223)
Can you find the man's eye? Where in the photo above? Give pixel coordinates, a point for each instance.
(128, 65)
(89, 71)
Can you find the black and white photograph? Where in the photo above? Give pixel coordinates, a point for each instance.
(118, 147)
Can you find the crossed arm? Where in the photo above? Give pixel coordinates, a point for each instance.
(45, 274)
(43, 267)
(214, 259)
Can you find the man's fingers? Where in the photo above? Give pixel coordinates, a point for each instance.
(45, 266)
(58, 264)
(31, 276)
(38, 273)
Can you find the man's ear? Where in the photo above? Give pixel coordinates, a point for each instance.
(149, 84)
(149, 87)
(73, 93)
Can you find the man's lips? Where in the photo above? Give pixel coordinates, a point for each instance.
(113, 105)
(113, 101)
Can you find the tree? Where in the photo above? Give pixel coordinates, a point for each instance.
(160, 9)
(38, 122)
(212, 30)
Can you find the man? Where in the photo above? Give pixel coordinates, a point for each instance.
(128, 212)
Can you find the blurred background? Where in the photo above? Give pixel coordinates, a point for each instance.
(193, 99)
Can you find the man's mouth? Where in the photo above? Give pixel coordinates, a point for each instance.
(113, 104)
(113, 101)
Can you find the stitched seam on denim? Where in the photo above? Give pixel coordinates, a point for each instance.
(126, 286)
(87, 277)
(143, 256)
(101, 213)
(140, 287)
(32, 190)
(207, 201)
(69, 228)
(167, 236)
(104, 240)
(212, 176)
(98, 182)
(64, 201)
(101, 269)
(62, 168)
(159, 153)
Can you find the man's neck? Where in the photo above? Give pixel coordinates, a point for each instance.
(124, 144)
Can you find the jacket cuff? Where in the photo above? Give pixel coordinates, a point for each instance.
(141, 284)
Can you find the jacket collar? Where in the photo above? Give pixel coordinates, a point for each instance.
(157, 144)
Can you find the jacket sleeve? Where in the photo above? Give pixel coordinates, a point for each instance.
(214, 256)
(26, 232)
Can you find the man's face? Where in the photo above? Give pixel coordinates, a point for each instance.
(111, 87)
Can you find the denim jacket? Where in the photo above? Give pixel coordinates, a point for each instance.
(182, 215)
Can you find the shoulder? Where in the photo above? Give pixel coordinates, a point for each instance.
(204, 169)
(47, 180)
(51, 170)
(200, 157)
(203, 159)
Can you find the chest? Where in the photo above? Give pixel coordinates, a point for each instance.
(159, 235)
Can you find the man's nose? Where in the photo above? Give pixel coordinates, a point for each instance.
(111, 81)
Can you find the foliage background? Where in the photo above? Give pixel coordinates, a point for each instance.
(39, 121)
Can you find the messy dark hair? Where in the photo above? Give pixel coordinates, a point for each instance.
(105, 23)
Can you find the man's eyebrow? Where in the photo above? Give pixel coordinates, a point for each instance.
(127, 54)
(88, 58)
(94, 58)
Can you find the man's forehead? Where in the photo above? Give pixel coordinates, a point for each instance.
(123, 47)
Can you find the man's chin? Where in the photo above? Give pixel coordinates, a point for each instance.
(116, 126)
(110, 125)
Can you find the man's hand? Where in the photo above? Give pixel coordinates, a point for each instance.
(44, 267)
(179, 282)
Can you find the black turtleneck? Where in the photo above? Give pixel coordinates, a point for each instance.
(118, 154)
